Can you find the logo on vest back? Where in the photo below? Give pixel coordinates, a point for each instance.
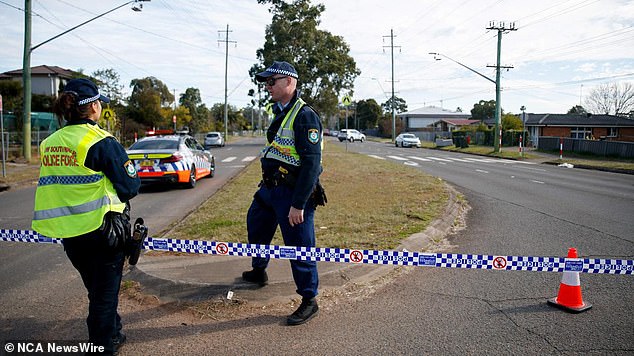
(313, 136)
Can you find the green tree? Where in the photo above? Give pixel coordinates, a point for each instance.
(148, 96)
(108, 82)
(11, 91)
(399, 105)
(192, 101)
(577, 109)
(322, 59)
(511, 122)
(368, 113)
(483, 110)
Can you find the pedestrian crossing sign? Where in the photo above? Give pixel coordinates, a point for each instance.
(346, 100)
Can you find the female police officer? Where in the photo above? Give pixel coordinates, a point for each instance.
(85, 182)
(291, 165)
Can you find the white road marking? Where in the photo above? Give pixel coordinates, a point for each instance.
(537, 181)
(481, 171)
(377, 157)
(248, 158)
(420, 158)
(398, 158)
(229, 159)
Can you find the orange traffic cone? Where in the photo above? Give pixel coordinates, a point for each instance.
(569, 297)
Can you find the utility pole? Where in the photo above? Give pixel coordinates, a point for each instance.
(26, 66)
(392, 99)
(226, 41)
(26, 80)
(501, 28)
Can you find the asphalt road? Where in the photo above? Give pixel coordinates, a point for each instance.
(41, 293)
(517, 209)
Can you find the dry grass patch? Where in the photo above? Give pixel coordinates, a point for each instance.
(372, 204)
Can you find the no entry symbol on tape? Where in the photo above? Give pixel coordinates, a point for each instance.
(356, 256)
(499, 262)
(222, 248)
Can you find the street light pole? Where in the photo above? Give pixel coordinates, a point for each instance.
(26, 67)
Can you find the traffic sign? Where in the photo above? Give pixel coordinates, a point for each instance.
(107, 114)
(346, 100)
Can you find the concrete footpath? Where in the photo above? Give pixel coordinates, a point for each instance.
(202, 277)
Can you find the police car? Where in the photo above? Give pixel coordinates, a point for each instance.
(171, 159)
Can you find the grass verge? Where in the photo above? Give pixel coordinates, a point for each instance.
(372, 204)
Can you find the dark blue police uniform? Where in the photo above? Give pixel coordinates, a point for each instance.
(101, 265)
(272, 202)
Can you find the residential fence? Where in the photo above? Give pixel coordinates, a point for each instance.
(13, 143)
(596, 147)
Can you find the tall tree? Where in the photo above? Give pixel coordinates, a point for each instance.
(612, 99)
(483, 110)
(322, 59)
(368, 113)
(148, 96)
(399, 105)
(108, 81)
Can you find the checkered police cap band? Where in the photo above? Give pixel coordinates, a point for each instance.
(283, 72)
(88, 100)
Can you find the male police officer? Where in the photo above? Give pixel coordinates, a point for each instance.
(291, 164)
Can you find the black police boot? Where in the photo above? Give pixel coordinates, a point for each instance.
(118, 340)
(257, 276)
(306, 311)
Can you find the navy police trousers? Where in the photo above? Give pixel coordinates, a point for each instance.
(269, 210)
(101, 269)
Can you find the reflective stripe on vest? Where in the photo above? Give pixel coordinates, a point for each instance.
(283, 146)
(72, 199)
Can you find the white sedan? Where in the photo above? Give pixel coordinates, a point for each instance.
(407, 140)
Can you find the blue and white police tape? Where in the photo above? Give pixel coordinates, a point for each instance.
(381, 257)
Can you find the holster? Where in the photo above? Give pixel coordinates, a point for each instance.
(134, 243)
(116, 227)
(319, 195)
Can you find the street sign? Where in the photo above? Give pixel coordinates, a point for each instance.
(107, 114)
(346, 100)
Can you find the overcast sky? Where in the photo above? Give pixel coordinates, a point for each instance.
(560, 51)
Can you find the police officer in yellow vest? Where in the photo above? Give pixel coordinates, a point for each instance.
(291, 165)
(86, 180)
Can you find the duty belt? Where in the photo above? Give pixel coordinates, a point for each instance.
(280, 177)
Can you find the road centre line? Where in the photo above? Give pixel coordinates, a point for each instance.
(420, 158)
(398, 158)
(481, 171)
(439, 159)
(537, 181)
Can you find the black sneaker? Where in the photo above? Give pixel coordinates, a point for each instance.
(118, 340)
(257, 276)
(306, 311)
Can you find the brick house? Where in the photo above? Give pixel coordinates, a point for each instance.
(600, 127)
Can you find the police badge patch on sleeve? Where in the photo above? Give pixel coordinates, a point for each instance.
(313, 136)
(129, 169)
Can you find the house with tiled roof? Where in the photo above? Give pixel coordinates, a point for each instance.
(424, 119)
(599, 127)
(454, 124)
(45, 80)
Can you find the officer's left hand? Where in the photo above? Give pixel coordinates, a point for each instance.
(295, 216)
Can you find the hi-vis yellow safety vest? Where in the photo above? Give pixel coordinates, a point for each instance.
(283, 146)
(72, 199)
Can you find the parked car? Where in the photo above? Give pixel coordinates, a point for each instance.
(350, 135)
(171, 159)
(407, 140)
(214, 139)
